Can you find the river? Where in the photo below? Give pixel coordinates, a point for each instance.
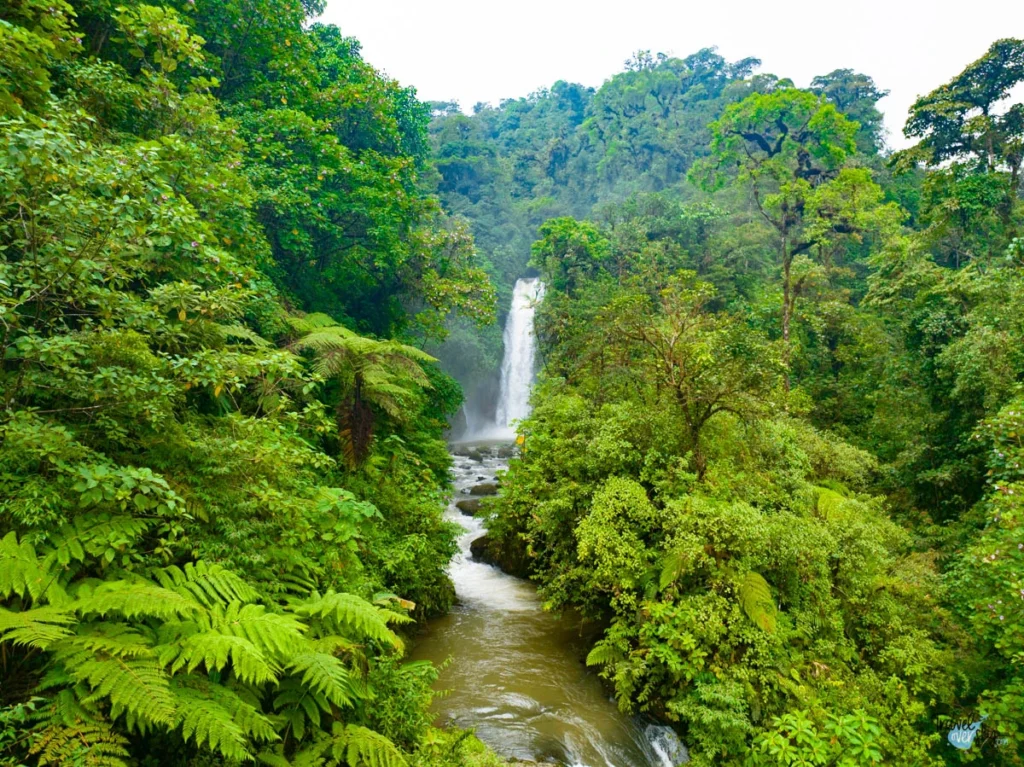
(515, 673)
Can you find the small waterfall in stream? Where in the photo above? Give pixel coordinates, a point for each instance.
(516, 674)
(519, 366)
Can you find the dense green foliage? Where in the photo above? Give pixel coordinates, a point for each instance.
(222, 470)
(776, 446)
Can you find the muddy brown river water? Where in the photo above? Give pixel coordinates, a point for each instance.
(516, 674)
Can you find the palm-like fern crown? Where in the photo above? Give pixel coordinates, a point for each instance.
(385, 374)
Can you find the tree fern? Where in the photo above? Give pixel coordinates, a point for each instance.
(756, 599)
(376, 373)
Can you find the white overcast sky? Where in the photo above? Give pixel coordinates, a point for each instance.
(482, 50)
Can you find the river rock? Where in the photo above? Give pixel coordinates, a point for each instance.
(475, 455)
(470, 506)
(484, 488)
(489, 551)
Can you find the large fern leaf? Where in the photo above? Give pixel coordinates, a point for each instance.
(827, 501)
(136, 687)
(361, 746)
(21, 572)
(328, 676)
(207, 584)
(215, 650)
(275, 635)
(117, 640)
(81, 743)
(133, 599)
(350, 614)
(604, 653)
(214, 716)
(38, 628)
(756, 599)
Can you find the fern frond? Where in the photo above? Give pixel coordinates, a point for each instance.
(211, 715)
(38, 628)
(82, 744)
(304, 323)
(361, 746)
(114, 639)
(827, 501)
(243, 333)
(137, 687)
(21, 572)
(605, 653)
(327, 676)
(328, 339)
(274, 634)
(214, 650)
(208, 584)
(298, 703)
(756, 599)
(273, 759)
(347, 613)
(673, 565)
(135, 598)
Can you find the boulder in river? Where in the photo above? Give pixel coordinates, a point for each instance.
(470, 506)
(484, 488)
(490, 551)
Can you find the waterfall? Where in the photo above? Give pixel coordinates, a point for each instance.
(517, 369)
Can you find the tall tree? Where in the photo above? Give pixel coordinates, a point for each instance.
(856, 96)
(789, 148)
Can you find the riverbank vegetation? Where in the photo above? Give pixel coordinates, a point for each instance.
(222, 469)
(775, 449)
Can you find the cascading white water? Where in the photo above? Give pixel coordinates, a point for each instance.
(518, 366)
